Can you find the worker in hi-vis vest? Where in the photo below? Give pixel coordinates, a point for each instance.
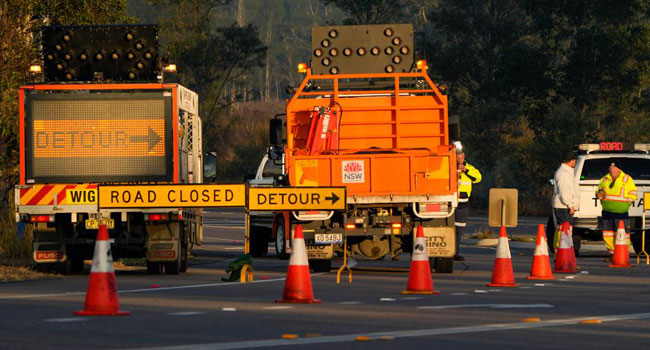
(467, 175)
(616, 192)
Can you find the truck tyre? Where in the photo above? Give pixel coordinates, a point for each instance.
(259, 241)
(45, 268)
(320, 265)
(281, 240)
(185, 248)
(444, 265)
(63, 268)
(154, 268)
(76, 265)
(174, 267)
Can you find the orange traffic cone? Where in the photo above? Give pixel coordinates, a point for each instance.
(563, 257)
(297, 288)
(502, 275)
(574, 261)
(101, 296)
(420, 281)
(621, 256)
(541, 269)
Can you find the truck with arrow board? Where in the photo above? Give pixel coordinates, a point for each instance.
(101, 114)
(367, 118)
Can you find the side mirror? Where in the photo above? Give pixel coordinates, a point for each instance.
(248, 177)
(275, 129)
(209, 167)
(552, 181)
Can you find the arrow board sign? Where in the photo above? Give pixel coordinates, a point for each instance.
(296, 198)
(171, 196)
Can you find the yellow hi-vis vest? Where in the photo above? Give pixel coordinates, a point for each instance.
(470, 176)
(619, 195)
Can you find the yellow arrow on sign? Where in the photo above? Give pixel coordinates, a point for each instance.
(171, 196)
(296, 198)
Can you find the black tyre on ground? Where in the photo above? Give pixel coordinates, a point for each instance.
(154, 268)
(259, 241)
(320, 265)
(281, 240)
(444, 265)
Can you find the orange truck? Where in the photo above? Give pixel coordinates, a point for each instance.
(367, 118)
(94, 122)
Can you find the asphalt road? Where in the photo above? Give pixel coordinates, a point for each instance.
(197, 310)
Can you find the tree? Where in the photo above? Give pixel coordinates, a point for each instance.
(370, 11)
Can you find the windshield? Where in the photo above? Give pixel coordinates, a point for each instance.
(595, 169)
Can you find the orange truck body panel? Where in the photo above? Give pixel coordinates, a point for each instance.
(392, 142)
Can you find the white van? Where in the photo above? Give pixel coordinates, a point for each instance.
(592, 164)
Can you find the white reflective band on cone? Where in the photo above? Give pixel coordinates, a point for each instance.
(564, 241)
(621, 237)
(420, 250)
(541, 248)
(503, 249)
(298, 253)
(102, 260)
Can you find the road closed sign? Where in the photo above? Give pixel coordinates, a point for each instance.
(171, 196)
(296, 198)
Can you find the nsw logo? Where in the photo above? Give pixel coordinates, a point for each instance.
(353, 171)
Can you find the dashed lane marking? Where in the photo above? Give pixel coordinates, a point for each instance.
(280, 307)
(490, 306)
(72, 319)
(400, 334)
(185, 313)
(351, 302)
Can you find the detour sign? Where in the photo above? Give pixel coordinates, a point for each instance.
(171, 196)
(296, 198)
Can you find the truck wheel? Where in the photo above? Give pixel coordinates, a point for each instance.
(320, 265)
(174, 267)
(154, 268)
(45, 268)
(64, 268)
(636, 239)
(550, 234)
(281, 240)
(76, 265)
(184, 253)
(259, 242)
(444, 265)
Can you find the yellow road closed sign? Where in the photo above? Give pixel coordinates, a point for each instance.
(171, 196)
(296, 198)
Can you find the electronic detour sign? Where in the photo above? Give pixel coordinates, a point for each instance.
(105, 136)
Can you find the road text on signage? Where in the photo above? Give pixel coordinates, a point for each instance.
(296, 198)
(171, 196)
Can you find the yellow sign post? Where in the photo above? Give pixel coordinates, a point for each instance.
(296, 198)
(171, 196)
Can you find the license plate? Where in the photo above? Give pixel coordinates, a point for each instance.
(93, 224)
(328, 238)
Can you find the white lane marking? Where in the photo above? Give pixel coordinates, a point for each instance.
(185, 313)
(351, 302)
(539, 284)
(280, 307)
(233, 248)
(569, 277)
(480, 291)
(75, 319)
(400, 334)
(584, 272)
(458, 294)
(490, 306)
(145, 290)
(387, 299)
(410, 298)
(228, 309)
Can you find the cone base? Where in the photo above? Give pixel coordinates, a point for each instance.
(619, 266)
(502, 285)
(540, 278)
(101, 313)
(421, 292)
(298, 301)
